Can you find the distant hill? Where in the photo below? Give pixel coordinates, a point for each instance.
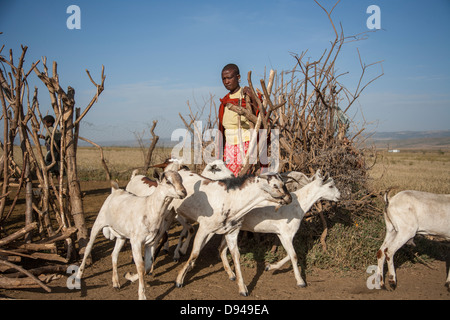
(411, 140)
(382, 140)
(162, 142)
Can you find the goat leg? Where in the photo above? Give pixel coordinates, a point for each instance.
(232, 239)
(201, 238)
(115, 255)
(223, 256)
(136, 247)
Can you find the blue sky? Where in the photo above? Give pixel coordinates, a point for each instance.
(160, 54)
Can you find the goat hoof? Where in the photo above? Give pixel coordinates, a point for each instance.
(244, 294)
(178, 285)
(393, 285)
(232, 278)
(392, 282)
(301, 285)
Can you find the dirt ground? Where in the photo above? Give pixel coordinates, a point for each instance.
(208, 280)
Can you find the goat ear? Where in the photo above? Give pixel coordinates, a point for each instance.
(135, 172)
(162, 176)
(114, 185)
(294, 176)
(317, 175)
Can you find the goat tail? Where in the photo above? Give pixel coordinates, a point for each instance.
(386, 207)
(386, 198)
(386, 195)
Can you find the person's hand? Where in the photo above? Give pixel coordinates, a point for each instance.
(247, 91)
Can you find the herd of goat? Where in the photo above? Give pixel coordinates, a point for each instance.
(223, 204)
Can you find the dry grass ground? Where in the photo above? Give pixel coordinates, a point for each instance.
(121, 161)
(426, 170)
(418, 170)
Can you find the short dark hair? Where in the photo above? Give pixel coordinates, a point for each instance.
(49, 119)
(231, 66)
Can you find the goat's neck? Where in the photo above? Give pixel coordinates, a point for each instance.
(308, 195)
(246, 199)
(159, 201)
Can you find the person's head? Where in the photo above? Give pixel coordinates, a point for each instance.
(231, 77)
(49, 121)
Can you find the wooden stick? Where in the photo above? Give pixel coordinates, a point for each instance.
(100, 89)
(58, 237)
(102, 157)
(30, 275)
(40, 270)
(18, 234)
(155, 139)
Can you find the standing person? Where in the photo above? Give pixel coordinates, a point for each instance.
(235, 129)
(49, 122)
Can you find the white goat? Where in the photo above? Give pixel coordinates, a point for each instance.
(215, 170)
(286, 221)
(142, 186)
(409, 213)
(219, 207)
(127, 216)
(293, 181)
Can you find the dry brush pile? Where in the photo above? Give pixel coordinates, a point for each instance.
(55, 231)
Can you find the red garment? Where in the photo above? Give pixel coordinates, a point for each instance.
(232, 156)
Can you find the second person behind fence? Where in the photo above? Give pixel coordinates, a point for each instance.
(49, 122)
